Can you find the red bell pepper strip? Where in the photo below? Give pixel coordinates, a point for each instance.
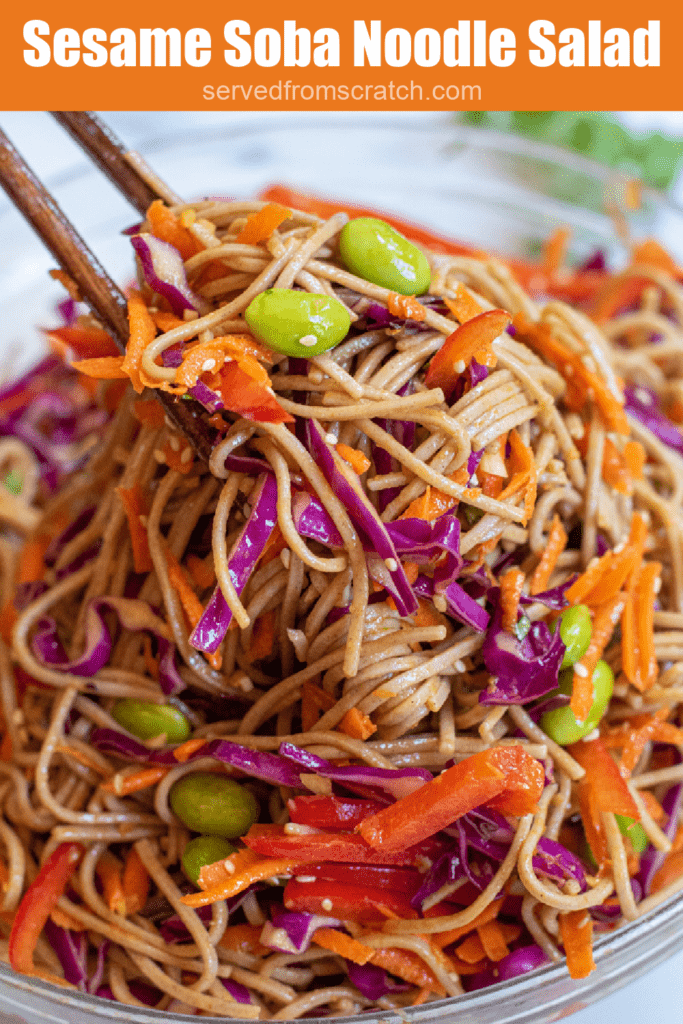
(316, 847)
(524, 781)
(331, 811)
(386, 877)
(347, 902)
(608, 790)
(462, 346)
(501, 771)
(86, 342)
(251, 399)
(438, 803)
(37, 902)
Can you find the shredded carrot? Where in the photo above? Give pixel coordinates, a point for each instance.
(192, 606)
(274, 545)
(124, 785)
(165, 225)
(257, 872)
(179, 455)
(136, 506)
(221, 871)
(244, 938)
(426, 614)
(166, 321)
(511, 583)
(582, 383)
(491, 483)
(151, 662)
(604, 578)
(463, 307)
(635, 457)
(606, 618)
(343, 945)
(523, 474)
(211, 356)
(262, 643)
(108, 870)
(650, 251)
(433, 503)
(184, 751)
(142, 332)
(263, 223)
(555, 251)
(148, 412)
(65, 920)
(313, 700)
(653, 806)
(412, 571)
(409, 966)
(638, 649)
(635, 733)
(406, 306)
(135, 882)
(31, 566)
(355, 458)
(202, 573)
(422, 996)
(471, 951)
(576, 932)
(357, 724)
(445, 938)
(81, 757)
(102, 367)
(493, 940)
(557, 542)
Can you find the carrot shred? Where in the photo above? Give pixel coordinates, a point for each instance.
(343, 945)
(606, 618)
(555, 251)
(211, 356)
(136, 506)
(262, 643)
(489, 913)
(31, 567)
(640, 664)
(166, 321)
(523, 474)
(355, 458)
(409, 966)
(582, 383)
(148, 412)
(650, 251)
(65, 920)
(426, 614)
(102, 367)
(605, 577)
(142, 332)
(165, 225)
(557, 542)
(491, 484)
(493, 940)
(202, 574)
(124, 785)
(406, 307)
(635, 457)
(357, 725)
(237, 883)
(471, 951)
(184, 751)
(108, 870)
(511, 583)
(463, 307)
(313, 700)
(263, 223)
(135, 882)
(221, 871)
(176, 455)
(576, 931)
(243, 938)
(192, 606)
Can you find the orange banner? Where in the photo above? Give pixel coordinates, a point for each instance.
(298, 56)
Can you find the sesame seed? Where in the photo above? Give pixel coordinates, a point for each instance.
(308, 341)
(439, 602)
(144, 520)
(174, 442)
(459, 367)
(658, 585)
(159, 456)
(581, 670)
(326, 905)
(208, 364)
(391, 564)
(305, 878)
(286, 557)
(330, 438)
(186, 456)
(460, 666)
(595, 735)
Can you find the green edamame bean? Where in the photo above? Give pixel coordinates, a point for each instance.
(149, 720)
(576, 631)
(634, 831)
(297, 323)
(204, 850)
(372, 249)
(560, 723)
(213, 804)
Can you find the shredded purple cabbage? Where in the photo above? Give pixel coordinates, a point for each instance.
(373, 982)
(397, 782)
(672, 803)
(289, 931)
(164, 271)
(643, 403)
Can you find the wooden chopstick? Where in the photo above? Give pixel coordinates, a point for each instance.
(123, 168)
(104, 297)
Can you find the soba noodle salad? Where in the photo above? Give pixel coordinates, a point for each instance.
(383, 704)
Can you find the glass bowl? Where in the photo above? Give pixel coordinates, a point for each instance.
(495, 191)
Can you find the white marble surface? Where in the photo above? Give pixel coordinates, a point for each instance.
(659, 995)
